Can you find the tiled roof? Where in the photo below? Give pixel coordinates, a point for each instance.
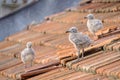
(113, 46)
(66, 74)
(55, 55)
(105, 1)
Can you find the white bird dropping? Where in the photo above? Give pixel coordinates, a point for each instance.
(28, 54)
(93, 24)
(79, 40)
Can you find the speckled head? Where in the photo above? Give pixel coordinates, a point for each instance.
(72, 30)
(29, 44)
(90, 16)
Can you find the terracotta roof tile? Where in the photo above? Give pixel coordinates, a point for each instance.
(53, 48)
(45, 54)
(47, 18)
(18, 34)
(92, 5)
(95, 6)
(77, 75)
(46, 58)
(42, 66)
(65, 74)
(113, 46)
(70, 17)
(116, 47)
(41, 39)
(40, 69)
(9, 62)
(13, 50)
(64, 61)
(62, 53)
(49, 73)
(87, 59)
(46, 74)
(108, 30)
(4, 78)
(14, 71)
(17, 71)
(5, 44)
(105, 1)
(113, 71)
(22, 36)
(4, 59)
(51, 27)
(36, 38)
(57, 75)
(105, 63)
(91, 64)
(60, 42)
(104, 7)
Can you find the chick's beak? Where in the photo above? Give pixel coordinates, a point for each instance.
(67, 31)
(85, 17)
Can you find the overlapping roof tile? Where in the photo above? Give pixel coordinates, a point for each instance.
(55, 55)
(66, 74)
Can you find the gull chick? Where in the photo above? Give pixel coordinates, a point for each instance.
(93, 24)
(79, 40)
(28, 54)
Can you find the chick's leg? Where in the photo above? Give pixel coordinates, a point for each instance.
(31, 63)
(95, 36)
(83, 53)
(78, 54)
(25, 65)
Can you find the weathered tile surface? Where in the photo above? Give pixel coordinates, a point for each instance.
(53, 48)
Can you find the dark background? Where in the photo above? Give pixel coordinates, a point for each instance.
(18, 21)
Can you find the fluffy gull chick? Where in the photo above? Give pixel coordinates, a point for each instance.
(28, 54)
(93, 24)
(79, 40)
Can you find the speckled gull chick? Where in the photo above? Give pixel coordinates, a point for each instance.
(93, 24)
(28, 54)
(79, 40)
